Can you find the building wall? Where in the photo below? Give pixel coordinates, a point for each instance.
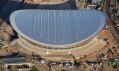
(45, 51)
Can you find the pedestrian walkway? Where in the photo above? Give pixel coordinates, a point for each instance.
(107, 67)
(47, 1)
(50, 1)
(42, 67)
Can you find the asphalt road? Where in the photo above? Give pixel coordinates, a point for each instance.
(113, 28)
(2, 5)
(11, 6)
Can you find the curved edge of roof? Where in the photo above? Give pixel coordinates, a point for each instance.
(13, 23)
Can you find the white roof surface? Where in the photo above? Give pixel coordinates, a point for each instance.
(58, 27)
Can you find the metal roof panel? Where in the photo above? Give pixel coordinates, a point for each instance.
(58, 27)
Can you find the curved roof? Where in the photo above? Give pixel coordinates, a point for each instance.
(58, 27)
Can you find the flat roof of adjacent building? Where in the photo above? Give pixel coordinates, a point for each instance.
(14, 60)
(58, 27)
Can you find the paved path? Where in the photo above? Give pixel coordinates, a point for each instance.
(42, 67)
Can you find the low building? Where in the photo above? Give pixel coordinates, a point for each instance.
(16, 64)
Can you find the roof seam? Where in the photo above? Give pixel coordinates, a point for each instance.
(41, 26)
(34, 22)
(68, 26)
(54, 27)
(48, 29)
(61, 27)
(81, 23)
(75, 25)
